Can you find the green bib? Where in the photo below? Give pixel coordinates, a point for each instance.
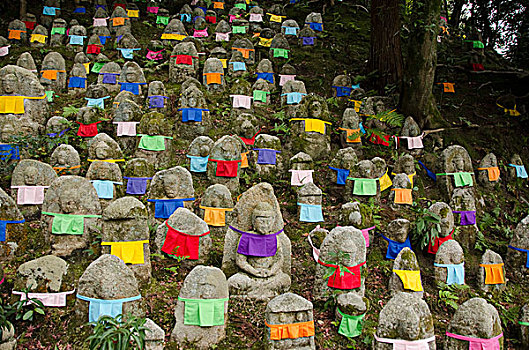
(162, 20)
(364, 187)
(277, 52)
(461, 179)
(58, 30)
(68, 224)
(260, 95)
(351, 326)
(96, 68)
(49, 95)
(153, 143)
(523, 323)
(203, 312)
(238, 29)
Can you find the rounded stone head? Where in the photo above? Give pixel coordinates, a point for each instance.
(170, 185)
(10, 84)
(458, 163)
(263, 218)
(31, 176)
(102, 150)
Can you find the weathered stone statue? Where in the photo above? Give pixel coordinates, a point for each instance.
(518, 254)
(224, 162)
(450, 263)
(406, 274)
(454, 170)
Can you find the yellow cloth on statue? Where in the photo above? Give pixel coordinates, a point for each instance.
(130, 252)
(169, 36)
(313, 125)
(244, 160)
(265, 42)
(410, 279)
(87, 67)
(215, 216)
(38, 38)
(385, 182)
(276, 18)
(133, 13)
(15, 104)
(224, 62)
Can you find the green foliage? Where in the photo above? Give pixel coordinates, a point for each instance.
(117, 333)
(69, 110)
(450, 294)
(19, 311)
(391, 118)
(427, 227)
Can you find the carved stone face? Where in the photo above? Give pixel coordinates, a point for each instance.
(10, 83)
(459, 163)
(62, 157)
(67, 203)
(7, 131)
(263, 221)
(170, 186)
(207, 290)
(192, 101)
(102, 151)
(408, 166)
(133, 76)
(292, 317)
(315, 109)
(156, 90)
(31, 176)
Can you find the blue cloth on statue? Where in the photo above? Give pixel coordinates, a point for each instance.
(523, 251)
(163, 208)
(77, 82)
(136, 185)
(294, 97)
(128, 53)
(310, 213)
(76, 40)
(430, 173)
(291, 30)
(238, 66)
(50, 11)
(269, 77)
(343, 91)
(185, 17)
(104, 188)
(157, 101)
(131, 87)
(394, 247)
(100, 307)
(317, 27)
(8, 152)
(192, 114)
(198, 164)
(103, 39)
(96, 102)
(520, 171)
(341, 175)
(455, 273)
(79, 10)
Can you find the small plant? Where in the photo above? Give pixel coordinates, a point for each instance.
(448, 295)
(19, 310)
(427, 227)
(69, 110)
(118, 333)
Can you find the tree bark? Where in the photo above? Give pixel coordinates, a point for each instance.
(455, 18)
(417, 98)
(23, 8)
(385, 55)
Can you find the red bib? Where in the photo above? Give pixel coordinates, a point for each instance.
(351, 279)
(211, 19)
(184, 244)
(87, 130)
(226, 168)
(29, 25)
(93, 49)
(433, 248)
(184, 59)
(377, 140)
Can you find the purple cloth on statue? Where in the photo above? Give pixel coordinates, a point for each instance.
(156, 101)
(266, 156)
(308, 40)
(252, 244)
(110, 78)
(136, 185)
(467, 217)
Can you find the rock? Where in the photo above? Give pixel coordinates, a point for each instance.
(268, 159)
(525, 329)
(346, 161)
(126, 220)
(489, 276)
(105, 177)
(108, 76)
(446, 225)
(454, 159)
(405, 261)
(154, 336)
(108, 278)
(463, 205)
(184, 62)
(155, 125)
(213, 76)
(488, 171)
(517, 260)
(405, 317)
(257, 277)
(450, 253)
(289, 308)
(65, 160)
(216, 198)
(8, 340)
(206, 283)
(38, 34)
(227, 148)
(191, 125)
(55, 80)
(396, 237)
(26, 61)
(43, 274)
(401, 192)
(13, 232)
(349, 304)
(310, 199)
(474, 318)
(71, 195)
(103, 147)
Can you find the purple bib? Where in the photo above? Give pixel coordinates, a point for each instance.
(110, 78)
(157, 101)
(308, 40)
(467, 217)
(136, 185)
(252, 244)
(266, 156)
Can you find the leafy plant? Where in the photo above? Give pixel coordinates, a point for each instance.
(427, 227)
(69, 110)
(19, 310)
(450, 294)
(118, 333)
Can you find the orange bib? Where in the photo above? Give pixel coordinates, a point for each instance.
(291, 331)
(403, 196)
(349, 135)
(213, 78)
(245, 52)
(494, 173)
(493, 273)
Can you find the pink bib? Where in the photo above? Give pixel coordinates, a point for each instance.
(200, 33)
(256, 17)
(4, 50)
(48, 299)
(300, 177)
(400, 344)
(284, 78)
(126, 128)
(222, 36)
(100, 22)
(30, 195)
(156, 56)
(241, 101)
(479, 343)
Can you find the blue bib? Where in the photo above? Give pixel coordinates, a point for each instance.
(100, 307)
(294, 97)
(310, 213)
(163, 208)
(317, 27)
(136, 185)
(96, 102)
(342, 91)
(76, 40)
(291, 30)
(103, 39)
(455, 273)
(8, 152)
(238, 66)
(104, 188)
(185, 17)
(79, 10)
(394, 247)
(269, 77)
(192, 114)
(430, 173)
(50, 11)
(128, 53)
(198, 164)
(77, 82)
(341, 175)
(3, 226)
(131, 87)
(520, 171)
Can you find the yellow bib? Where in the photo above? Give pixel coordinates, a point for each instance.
(169, 36)
(410, 279)
(315, 125)
(276, 18)
(215, 216)
(38, 38)
(133, 13)
(87, 67)
(385, 182)
(265, 42)
(130, 252)
(14, 104)
(224, 62)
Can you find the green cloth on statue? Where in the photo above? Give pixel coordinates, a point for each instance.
(58, 30)
(96, 68)
(277, 52)
(260, 95)
(68, 224)
(204, 312)
(49, 95)
(364, 187)
(162, 20)
(523, 323)
(153, 143)
(461, 179)
(351, 326)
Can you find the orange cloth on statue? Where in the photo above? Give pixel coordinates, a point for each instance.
(493, 273)
(213, 78)
(494, 173)
(403, 196)
(448, 87)
(291, 331)
(15, 34)
(215, 216)
(244, 160)
(51, 74)
(218, 5)
(245, 52)
(350, 133)
(118, 21)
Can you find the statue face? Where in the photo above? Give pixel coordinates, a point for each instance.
(7, 131)
(204, 150)
(67, 204)
(31, 176)
(10, 83)
(102, 151)
(62, 157)
(132, 75)
(192, 102)
(408, 166)
(262, 224)
(315, 109)
(459, 163)
(170, 186)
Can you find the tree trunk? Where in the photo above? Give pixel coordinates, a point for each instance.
(417, 98)
(455, 18)
(385, 55)
(23, 8)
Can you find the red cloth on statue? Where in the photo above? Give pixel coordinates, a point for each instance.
(433, 248)
(226, 168)
(351, 279)
(87, 130)
(185, 245)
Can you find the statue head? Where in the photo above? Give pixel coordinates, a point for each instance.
(263, 218)
(10, 83)
(31, 176)
(170, 185)
(102, 150)
(458, 163)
